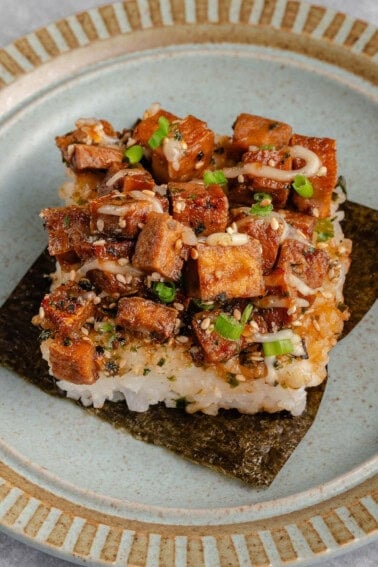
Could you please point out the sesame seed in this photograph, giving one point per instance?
(316, 324)
(205, 324)
(274, 224)
(178, 244)
(129, 279)
(97, 300)
(178, 306)
(107, 354)
(297, 323)
(41, 312)
(240, 378)
(180, 206)
(237, 314)
(210, 329)
(230, 230)
(121, 223)
(315, 212)
(194, 254)
(140, 225)
(234, 227)
(254, 325)
(123, 261)
(100, 242)
(266, 202)
(72, 275)
(84, 331)
(271, 163)
(155, 276)
(100, 225)
(199, 164)
(112, 305)
(292, 310)
(121, 278)
(256, 358)
(327, 294)
(241, 178)
(148, 192)
(322, 171)
(342, 250)
(182, 339)
(218, 274)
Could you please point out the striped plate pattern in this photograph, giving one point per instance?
(72, 531)
(303, 28)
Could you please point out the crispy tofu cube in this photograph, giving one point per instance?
(303, 261)
(123, 178)
(87, 132)
(119, 215)
(66, 309)
(115, 285)
(185, 152)
(66, 226)
(157, 247)
(108, 250)
(145, 317)
(73, 361)
(252, 130)
(300, 221)
(205, 210)
(215, 347)
(325, 148)
(269, 237)
(85, 156)
(225, 271)
(280, 159)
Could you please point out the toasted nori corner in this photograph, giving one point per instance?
(252, 448)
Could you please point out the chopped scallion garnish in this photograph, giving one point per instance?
(166, 291)
(302, 185)
(214, 177)
(324, 230)
(263, 205)
(229, 328)
(162, 132)
(134, 153)
(275, 348)
(205, 305)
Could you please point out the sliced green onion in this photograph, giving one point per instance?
(228, 327)
(303, 186)
(205, 305)
(267, 147)
(134, 153)
(162, 132)
(166, 291)
(246, 314)
(259, 209)
(324, 230)
(106, 327)
(214, 177)
(275, 348)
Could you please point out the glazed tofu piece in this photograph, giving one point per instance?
(305, 262)
(225, 271)
(184, 153)
(124, 179)
(215, 347)
(107, 250)
(66, 309)
(300, 221)
(252, 130)
(115, 285)
(119, 215)
(159, 244)
(205, 210)
(83, 156)
(88, 131)
(325, 148)
(268, 233)
(143, 317)
(73, 361)
(280, 159)
(66, 227)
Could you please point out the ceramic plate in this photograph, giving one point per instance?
(71, 484)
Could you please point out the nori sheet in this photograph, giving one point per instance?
(252, 448)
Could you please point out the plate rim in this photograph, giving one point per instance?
(43, 519)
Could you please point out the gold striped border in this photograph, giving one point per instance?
(35, 514)
(303, 28)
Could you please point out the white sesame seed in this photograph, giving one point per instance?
(180, 206)
(342, 250)
(322, 171)
(327, 294)
(121, 278)
(84, 331)
(205, 323)
(237, 314)
(218, 274)
(297, 323)
(194, 254)
(230, 230)
(149, 192)
(199, 164)
(254, 325)
(100, 242)
(129, 279)
(178, 306)
(315, 212)
(178, 244)
(123, 261)
(292, 310)
(41, 312)
(100, 225)
(234, 227)
(241, 178)
(107, 354)
(182, 339)
(72, 275)
(316, 324)
(97, 300)
(240, 378)
(112, 305)
(121, 223)
(271, 163)
(274, 223)
(256, 358)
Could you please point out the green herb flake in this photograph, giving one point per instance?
(66, 221)
(181, 403)
(67, 341)
(172, 378)
(232, 380)
(214, 178)
(161, 362)
(146, 371)
(106, 327)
